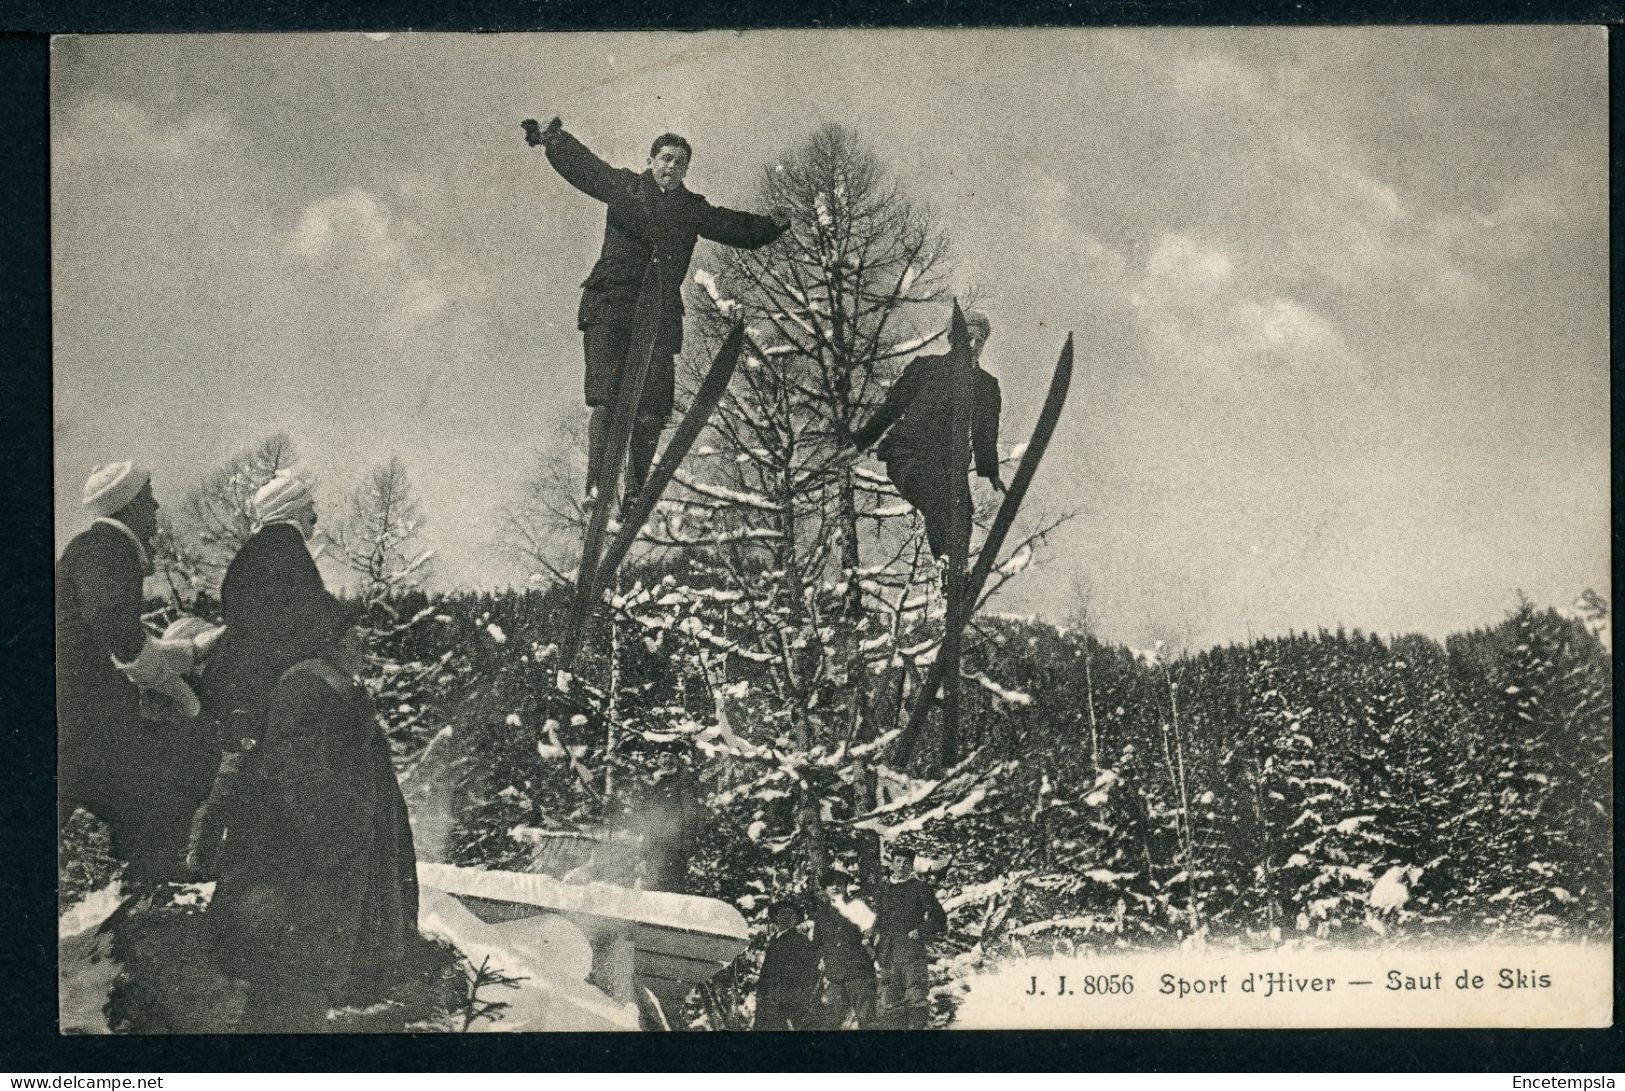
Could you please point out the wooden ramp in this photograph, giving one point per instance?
(680, 940)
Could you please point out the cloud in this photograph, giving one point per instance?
(1332, 215)
(356, 248)
(106, 128)
(354, 223)
(1197, 307)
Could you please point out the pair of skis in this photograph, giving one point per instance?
(963, 591)
(598, 566)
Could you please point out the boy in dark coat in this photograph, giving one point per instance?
(788, 983)
(848, 971)
(317, 901)
(650, 217)
(907, 915)
(141, 777)
(916, 420)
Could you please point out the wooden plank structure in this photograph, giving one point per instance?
(677, 941)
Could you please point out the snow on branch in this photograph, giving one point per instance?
(726, 495)
(1010, 696)
(727, 308)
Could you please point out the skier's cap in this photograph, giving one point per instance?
(282, 497)
(110, 488)
(977, 318)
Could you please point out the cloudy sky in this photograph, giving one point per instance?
(1340, 296)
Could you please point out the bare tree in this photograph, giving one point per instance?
(378, 541)
(219, 512)
(812, 573)
(540, 529)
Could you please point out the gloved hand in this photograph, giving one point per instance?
(536, 135)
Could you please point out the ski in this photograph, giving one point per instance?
(612, 459)
(964, 373)
(1048, 418)
(688, 430)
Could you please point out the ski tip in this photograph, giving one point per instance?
(958, 333)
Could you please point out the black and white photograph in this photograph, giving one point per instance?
(832, 530)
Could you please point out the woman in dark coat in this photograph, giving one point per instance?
(269, 577)
(317, 899)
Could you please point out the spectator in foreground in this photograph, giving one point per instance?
(317, 902)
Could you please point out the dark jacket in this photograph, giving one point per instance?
(141, 777)
(272, 570)
(318, 877)
(789, 978)
(98, 616)
(643, 222)
(264, 586)
(840, 945)
(901, 908)
(917, 416)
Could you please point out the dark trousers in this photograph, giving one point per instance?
(775, 1014)
(930, 487)
(605, 346)
(905, 994)
(845, 1001)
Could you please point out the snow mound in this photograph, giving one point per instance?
(548, 957)
(85, 966)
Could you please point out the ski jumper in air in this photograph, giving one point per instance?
(651, 217)
(916, 420)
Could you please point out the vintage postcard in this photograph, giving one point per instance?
(833, 529)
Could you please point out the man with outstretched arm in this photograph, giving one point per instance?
(916, 420)
(650, 216)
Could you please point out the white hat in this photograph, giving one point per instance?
(110, 488)
(281, 498)
(977, 318)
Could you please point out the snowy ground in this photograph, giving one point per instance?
(543, 963)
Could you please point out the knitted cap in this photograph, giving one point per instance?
(110, 488)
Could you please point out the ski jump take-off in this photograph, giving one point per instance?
(631, 320)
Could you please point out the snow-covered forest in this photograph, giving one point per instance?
(738, 720)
